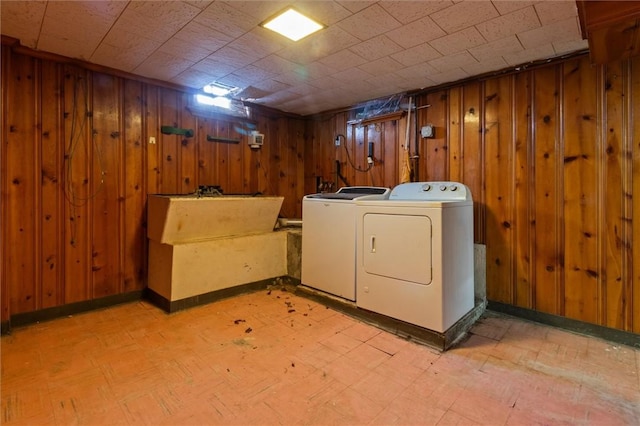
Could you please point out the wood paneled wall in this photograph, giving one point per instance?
(552, 157)
(77, 168)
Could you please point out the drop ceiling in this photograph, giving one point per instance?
(368, 50)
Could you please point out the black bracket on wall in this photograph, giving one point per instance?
(222, 140)
(170, 130)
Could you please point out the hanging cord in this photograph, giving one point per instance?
(76, 135)
(349, 158)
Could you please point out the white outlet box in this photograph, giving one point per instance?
(152, 140)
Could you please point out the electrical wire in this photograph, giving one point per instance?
(76, 135)
(349, 158)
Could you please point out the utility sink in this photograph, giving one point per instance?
(176, 219)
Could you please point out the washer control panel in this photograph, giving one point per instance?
(431, 191)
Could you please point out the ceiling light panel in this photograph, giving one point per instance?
(293, 25)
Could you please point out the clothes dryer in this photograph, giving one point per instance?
(415, 254)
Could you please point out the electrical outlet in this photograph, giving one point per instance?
(152, 140)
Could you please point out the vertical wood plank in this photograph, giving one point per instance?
(19, 213)
(615, 279)
(5, 312)
(390, 149)
(169, 144)
(78, 160)
(187, 153)
(523, 166)
(499, 185)
(206, 152)
(151, 105)
(473, 156)
(52, 213)
(105, 186)
(633, 197)
(455, 133)
(582, 233)
(134, 241)
(434, 150)
(546, 121)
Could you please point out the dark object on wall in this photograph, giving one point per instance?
(170, 130)
(222, 140)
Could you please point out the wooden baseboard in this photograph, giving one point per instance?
(69, 309)
(202, 299)
(580, 327)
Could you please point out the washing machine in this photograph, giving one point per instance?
(329, 239)
(415, 254)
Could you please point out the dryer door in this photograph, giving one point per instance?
(397, 246)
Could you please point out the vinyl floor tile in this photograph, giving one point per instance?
(274, 357)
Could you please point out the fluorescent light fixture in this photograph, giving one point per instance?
(219, 101)
(293, 25)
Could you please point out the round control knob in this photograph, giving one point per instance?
(426, 187)
(443, 188)
(453, 188)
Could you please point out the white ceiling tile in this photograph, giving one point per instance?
(379, 22)
(162, 66)
(155, 20)
(88, 21)
(409, 11)
(491, 64)
(382, 66)
(226, 19)
(232, 57)
(508, 6)
(463, 15)
(562, 47)
(539, 52)
(318, 45)
(200, 4)
(342, 60)
(506, 25)
(352, 74)
(275, 64)
(25, 22)
(554, 11)
(258, 43)
(314, 70)
(194, 78)
(449, 76)
(214, 66)
(462, 40)
(184, 49)
(415, 55)
(258, 9)
(417, 71)
(416, 32)
(505, 46)
(375, 48)
(327, 82)
(125, 51)
(355, 6)
(323, 12)
(203, 37)
(221, 40)
(558, 31)
(64, 46)
(459, 60)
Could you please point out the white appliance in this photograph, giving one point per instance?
(329, 239)
(415, 254)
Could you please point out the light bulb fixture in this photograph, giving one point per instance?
(293, 25)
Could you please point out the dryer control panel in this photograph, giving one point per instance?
(431, 191)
